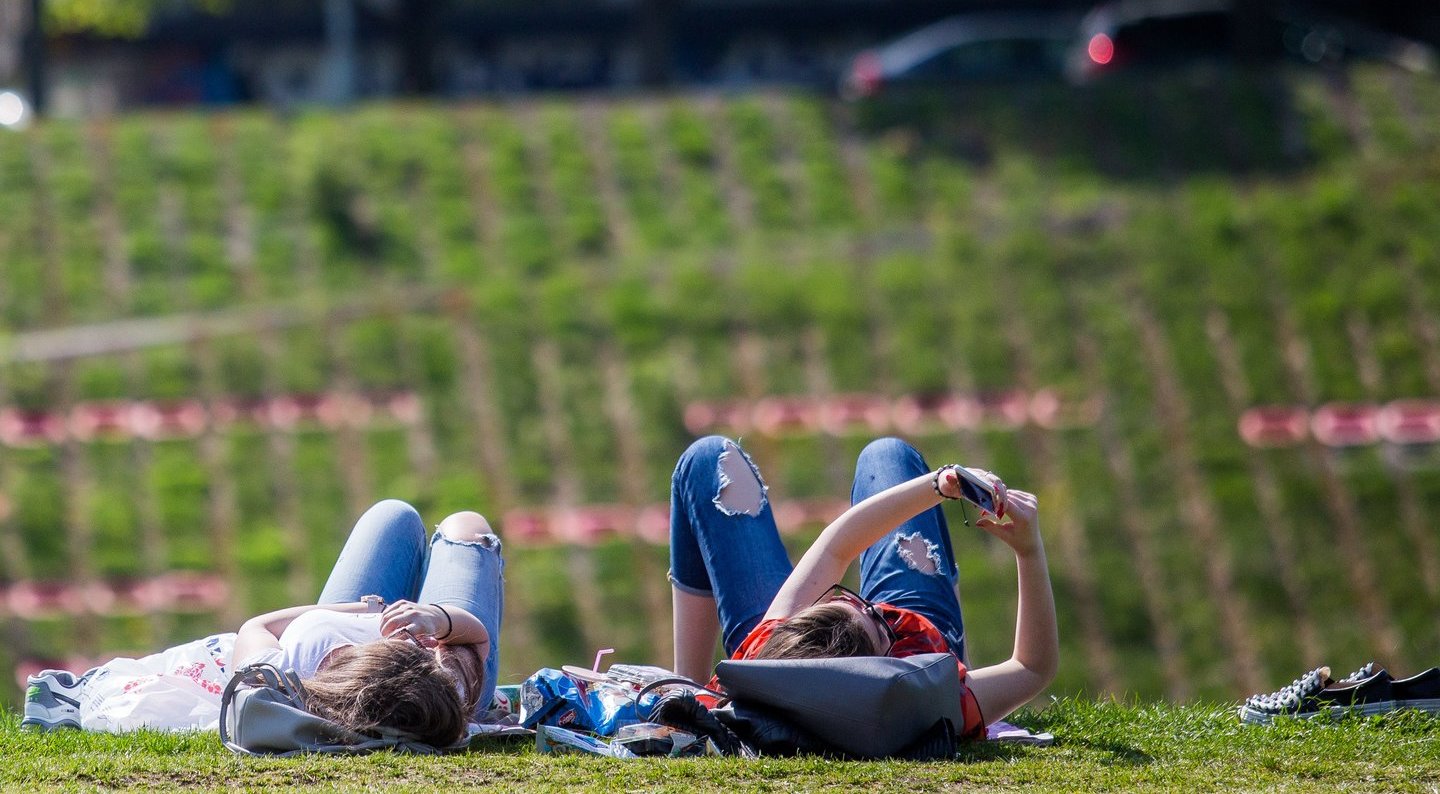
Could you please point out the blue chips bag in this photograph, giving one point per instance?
(554, 697)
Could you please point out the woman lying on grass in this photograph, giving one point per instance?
(402, 638)
(729, 571)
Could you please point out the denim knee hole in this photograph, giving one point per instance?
(486, 541)
(741, 491)
(919, 552)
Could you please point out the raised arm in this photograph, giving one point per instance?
(1004, 687)
(263, 631)
(446, 625)
(827, 559)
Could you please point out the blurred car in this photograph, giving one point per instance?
(962, 49)
(1142, 34)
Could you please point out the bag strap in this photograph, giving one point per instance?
(679, 679)
(227, 700)
(258, 675)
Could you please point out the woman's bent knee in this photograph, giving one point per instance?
(466, 526)
(390, 509)
(391, 519)
(704, 449)
(889, 449)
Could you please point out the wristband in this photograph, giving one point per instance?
(449, 624)
(935, 481)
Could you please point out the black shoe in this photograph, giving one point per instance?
(1420, 691)
(1366, 690)
(1366, 695)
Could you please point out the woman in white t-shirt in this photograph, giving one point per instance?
(404, 636)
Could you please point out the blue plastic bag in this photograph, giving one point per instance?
(554, 697)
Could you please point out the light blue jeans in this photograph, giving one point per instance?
(386, 555)
(724, 542)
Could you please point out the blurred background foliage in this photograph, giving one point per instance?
(558, 278)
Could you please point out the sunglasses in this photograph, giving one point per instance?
(845, 595)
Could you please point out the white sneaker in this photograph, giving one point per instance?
(52, 701)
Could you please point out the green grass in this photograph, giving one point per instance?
(1104, 745)
(918, 244)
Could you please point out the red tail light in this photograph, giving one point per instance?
(1100, 49)
(865, 74)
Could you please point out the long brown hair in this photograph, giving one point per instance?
(388, 684)
(821, 631)
(465, 664)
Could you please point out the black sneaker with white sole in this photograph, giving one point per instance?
(1420, 691)
(1365, 691)
(52, 701)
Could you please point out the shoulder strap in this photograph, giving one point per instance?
(645, 690)
(258, 675)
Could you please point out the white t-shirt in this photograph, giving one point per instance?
(180, 688)
(308, 639)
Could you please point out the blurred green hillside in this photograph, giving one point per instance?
(558, 280)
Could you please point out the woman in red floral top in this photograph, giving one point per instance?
(729, 571)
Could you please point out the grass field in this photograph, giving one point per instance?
(1100, 746)
(557, 281)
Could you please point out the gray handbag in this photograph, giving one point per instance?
(866, 706)
(262, 712)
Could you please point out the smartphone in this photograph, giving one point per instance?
(977, 491)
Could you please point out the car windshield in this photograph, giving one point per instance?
(992, 59)
(925, 45)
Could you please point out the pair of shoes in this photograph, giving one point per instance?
(52, 701)
(1420, 691)
(1368, 691)
(1299, 697)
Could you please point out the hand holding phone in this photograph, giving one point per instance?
(1020, 530)
(979, 488)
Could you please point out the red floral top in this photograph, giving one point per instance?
(914, 634)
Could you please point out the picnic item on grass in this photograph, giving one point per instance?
(862, 706)
(177, 689)
(587, 700)
(551, 739)
(1368, 691)
(1014, 734)
(643, 739)
(850, 707)
(262, 712)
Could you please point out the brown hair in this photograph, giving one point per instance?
(819, 632)
(465, 664)
(388, 684)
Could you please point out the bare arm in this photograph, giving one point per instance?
(263, 631)
(429, 620)
(1004, 687)
(827, 559)
(424, 620)
(696, 627)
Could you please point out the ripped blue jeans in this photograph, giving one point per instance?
(386, 555)
(724, 542)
